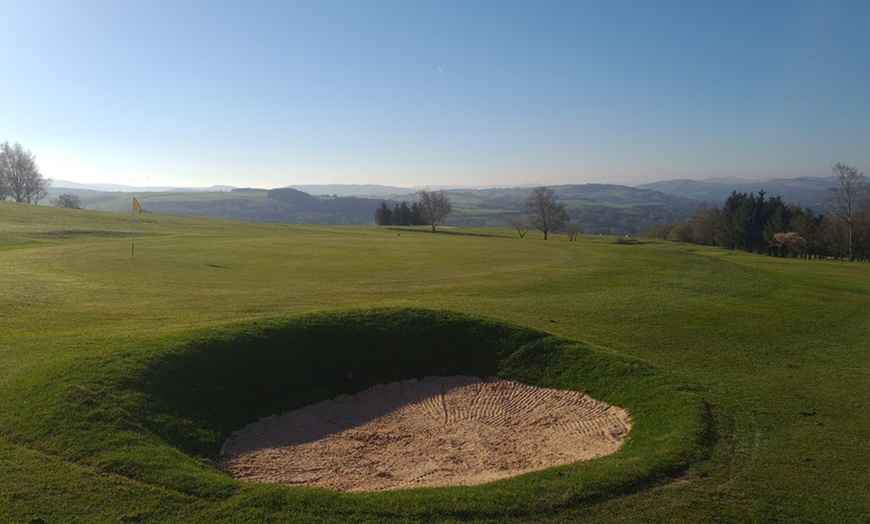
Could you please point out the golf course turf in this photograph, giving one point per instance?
(158, 413)
(120, 376)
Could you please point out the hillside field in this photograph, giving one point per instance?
(777, 350)
(600, 208)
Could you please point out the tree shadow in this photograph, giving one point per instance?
(446, 231)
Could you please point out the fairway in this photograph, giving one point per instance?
(770, 353)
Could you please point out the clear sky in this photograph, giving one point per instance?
(434, 93)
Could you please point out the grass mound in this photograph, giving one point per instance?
(158, 413)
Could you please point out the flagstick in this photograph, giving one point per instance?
(133, 234)
(137, 210)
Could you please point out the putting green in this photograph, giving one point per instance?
(159, 412)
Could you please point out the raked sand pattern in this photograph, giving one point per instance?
(439, 431)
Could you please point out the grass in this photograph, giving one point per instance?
(158, 413)
(777, 349)
(121, 202)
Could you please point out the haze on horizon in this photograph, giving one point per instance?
(273, 93)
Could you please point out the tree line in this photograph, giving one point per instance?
(20, 178)
(540, 211)
(755, 223)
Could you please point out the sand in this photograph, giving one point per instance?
(439, 431)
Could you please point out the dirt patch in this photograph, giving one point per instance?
(439, 431)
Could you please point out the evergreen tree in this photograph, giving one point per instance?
(416, 215)
(383, 215)
(402, 214)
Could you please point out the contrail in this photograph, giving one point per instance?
(440, 72)
(752, 23)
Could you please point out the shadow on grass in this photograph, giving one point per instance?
(444, 231)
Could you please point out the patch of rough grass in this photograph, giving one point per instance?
(157, 413)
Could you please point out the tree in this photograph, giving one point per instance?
(660, 231)
(845, 199)
(19, 175)
(682, 232)
(383, 215)
(862, 230)
(520, 223)
(774, 225)
(737, 217)
(68, 201)
(749, 222)
(4, 189)
(791, 241)
(416, 215)
(833, 237)
(434, 207)
(545, 213)
(808, 225)
(573, 229)
(705, 226)
(402, 214)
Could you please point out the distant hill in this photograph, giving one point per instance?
(374, 190)
(809, 192)
(66, 184)
(600, 208)
(360, 190)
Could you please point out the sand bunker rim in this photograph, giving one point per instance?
(192, 390)
(438, 431)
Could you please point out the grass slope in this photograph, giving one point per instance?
(159, 412)
(776, 347)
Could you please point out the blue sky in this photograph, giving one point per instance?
(441, 93)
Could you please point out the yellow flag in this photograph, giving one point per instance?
(136, 206)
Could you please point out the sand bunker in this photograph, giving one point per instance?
(439, 431)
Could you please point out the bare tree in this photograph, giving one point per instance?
(19, 175)
(545, 213)
(573, 229)
(4, 177)
(521, 224)
(68, 201)
(845, 198)
(434, 207)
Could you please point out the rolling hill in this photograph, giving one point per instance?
(809, 192)
(600, 208)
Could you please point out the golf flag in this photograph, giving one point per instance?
(136, 207)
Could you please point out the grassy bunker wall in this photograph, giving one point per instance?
(159, 412)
